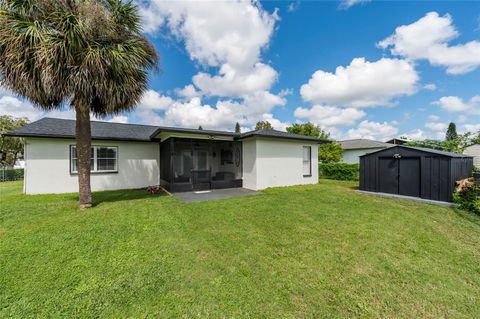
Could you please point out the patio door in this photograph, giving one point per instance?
(201, 173)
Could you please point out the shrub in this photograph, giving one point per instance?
(466, 196)
(11, 174)
(340, 171)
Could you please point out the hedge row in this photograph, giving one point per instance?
(339, 171)
(11, 174)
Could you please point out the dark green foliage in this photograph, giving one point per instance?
(456, 145)
(200, 127)
(237, 128)
(330, 153)
(263, 125)
(308, 129)
(468, 199)
(339, 171)
(476, 138)
(433, 144)
(11, 174)
(451, 134)
(11, 148)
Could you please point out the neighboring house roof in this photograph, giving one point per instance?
(61, 128)
(473, 150)
(362, 144)
(426, 150)
(397, 141)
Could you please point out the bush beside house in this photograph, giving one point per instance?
(339, 171)
(11, 174)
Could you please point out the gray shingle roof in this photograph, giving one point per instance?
(281, 134)
(61, 128)
(51, 127)
(362, 143)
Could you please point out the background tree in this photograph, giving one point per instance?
(200, 127)
(476, 138)
(263, 125)
(88, 54)
(330, 152)
(308, 129)
(451, 134)
(11, 148)
(237, 128)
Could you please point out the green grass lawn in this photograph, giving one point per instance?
(296, 252)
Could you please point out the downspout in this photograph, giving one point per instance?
(25, 156)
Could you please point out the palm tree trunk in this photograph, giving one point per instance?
(84, 143)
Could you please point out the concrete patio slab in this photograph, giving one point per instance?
(214, 194)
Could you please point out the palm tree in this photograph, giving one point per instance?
(88, 54)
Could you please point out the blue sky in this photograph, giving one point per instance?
(359, 69)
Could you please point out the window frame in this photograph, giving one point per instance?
(94, 157)
(309, 160)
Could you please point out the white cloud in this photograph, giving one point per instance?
(345, 4)
(428, 39)
(226, 39)
(188, 92)
(215, 32)
(13, 106)
(119, 119)
(433, 118)
(474, 128)
(154, 101)
(293, 6)
(415, 135)
(437, 126)
(373, 130)
(329, 116)
(362, 83)
(456, 104)
(236, 83)
(222, 115)
(430, 87)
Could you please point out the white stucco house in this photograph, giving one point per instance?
(128, 156)
(353, 149)
(474, 151)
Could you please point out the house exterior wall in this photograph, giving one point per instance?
(47, 166)
(353, 156)
(474, 150)
(269, 162)
(249, 163)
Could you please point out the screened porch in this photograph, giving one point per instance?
(196, 164)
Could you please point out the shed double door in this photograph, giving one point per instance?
(399, 175)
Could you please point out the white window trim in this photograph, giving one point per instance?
(309, 160)
(95, 169)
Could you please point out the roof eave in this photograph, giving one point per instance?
(106, 138)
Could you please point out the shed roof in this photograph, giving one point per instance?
(422, 149)
(62, 128)
(362, 143)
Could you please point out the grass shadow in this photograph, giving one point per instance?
(123, 195)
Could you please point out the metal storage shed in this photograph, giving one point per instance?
(414, 171)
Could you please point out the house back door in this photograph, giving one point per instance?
(409, 172)
(388, 175)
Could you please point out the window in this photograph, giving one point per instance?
(104, 159)
(307, 161)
